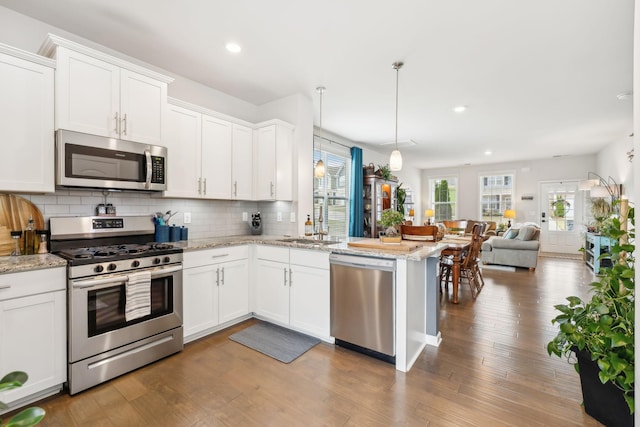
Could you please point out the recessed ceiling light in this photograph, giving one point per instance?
(488, 153)
(460, 108)
(233, 47)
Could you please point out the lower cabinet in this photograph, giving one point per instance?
(33, 335)
(215, 289)
(292, 289)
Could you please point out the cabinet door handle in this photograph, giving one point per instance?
(124, 120)
(116, 129)
(205, 186)
(285, 276)
(272, 189)
(200, 185)
(235, 188)
(290, 278)
(222, 276)
(217, 277)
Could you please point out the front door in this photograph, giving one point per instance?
(561, 213)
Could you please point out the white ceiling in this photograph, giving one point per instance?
(540, 78)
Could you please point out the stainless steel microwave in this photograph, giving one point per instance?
(91, 161)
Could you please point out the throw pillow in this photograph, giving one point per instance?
(510, 233)
(526, 233)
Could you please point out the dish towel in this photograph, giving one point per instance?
(138, 302)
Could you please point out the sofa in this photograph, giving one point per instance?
(517, 247)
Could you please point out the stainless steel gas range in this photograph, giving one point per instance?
(124, 296)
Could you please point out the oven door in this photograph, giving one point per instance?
(97, 311)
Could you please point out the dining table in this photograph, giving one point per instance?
(457, 247)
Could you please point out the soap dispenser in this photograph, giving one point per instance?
(308, 226)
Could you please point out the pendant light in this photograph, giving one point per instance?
(395, 161)
(318, 170)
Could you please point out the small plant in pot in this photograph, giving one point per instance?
(600, 332)
(390, 220)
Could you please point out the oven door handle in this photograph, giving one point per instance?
(82, 284)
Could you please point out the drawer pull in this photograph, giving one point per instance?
(5, 287)
(219, 256)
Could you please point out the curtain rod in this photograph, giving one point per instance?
(335, 142)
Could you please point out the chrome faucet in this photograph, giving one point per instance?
(321, 233)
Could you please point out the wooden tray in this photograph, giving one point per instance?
(14, 215)
(403, 246)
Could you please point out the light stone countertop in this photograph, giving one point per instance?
(428, 250)
(12, 264)
(15, 264)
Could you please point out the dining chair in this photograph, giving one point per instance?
(455, 226)
(469, 266)
(419, 232)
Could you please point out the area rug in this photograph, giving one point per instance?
(275, 341)
(497, 267)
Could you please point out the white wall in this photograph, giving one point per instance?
(528, 175)
(613, 162)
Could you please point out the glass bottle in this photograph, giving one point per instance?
(29, 238)
(308, 227)
(15, 236)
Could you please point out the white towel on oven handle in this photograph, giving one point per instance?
(138, 294)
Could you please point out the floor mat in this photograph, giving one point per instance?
(275, 341)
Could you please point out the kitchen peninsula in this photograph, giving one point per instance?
(416, 298)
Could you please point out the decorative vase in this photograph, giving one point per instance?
(604, 402)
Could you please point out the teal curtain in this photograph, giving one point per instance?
(356, 202)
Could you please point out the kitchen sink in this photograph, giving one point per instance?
(309, 242)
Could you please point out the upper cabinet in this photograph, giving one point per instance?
(26, 108)
(274, 161)
(210, 157)
(103, 95)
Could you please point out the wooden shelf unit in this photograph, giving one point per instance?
(378, 194)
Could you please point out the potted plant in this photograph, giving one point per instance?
(401, 196)
(600, 332)
(390, 220)
(28, 417)
(384, 172)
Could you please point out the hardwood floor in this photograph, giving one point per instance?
(492, 369)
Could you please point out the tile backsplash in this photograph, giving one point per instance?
(209, 218)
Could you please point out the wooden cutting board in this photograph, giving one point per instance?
(14, 215)
(403, 246)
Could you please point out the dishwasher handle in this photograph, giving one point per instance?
(371, 263)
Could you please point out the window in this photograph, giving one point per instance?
(444, 197)
(496, 196)
(331, 193)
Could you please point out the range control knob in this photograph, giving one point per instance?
(167, 259)
(156, 260)
(112, 267)
(98, 269)
(135, 263)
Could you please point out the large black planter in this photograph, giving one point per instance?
(604, 402)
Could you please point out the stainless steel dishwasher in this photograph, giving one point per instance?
(363, 304)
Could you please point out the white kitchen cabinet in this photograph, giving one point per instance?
(33, 334)
(26, 108)
(217, 137)
(210, 157)
(184, 136)
(310, 292)
(274, 161)
(102, 95)
(242, 161)
(292, 289)
(215, 289)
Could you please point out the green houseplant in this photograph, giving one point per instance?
(390, 220)
(401, 196)
(384, 172)
(28, 417)
(602, 328)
